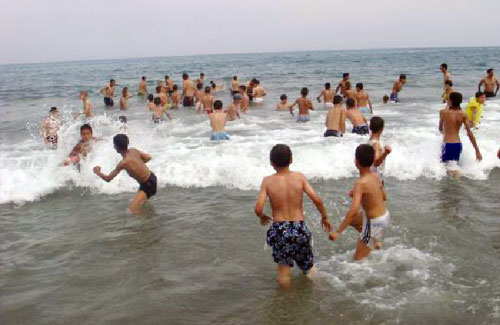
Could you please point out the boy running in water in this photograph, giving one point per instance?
(327, 95)
(305, 104)
(356, 117)
(134, 163)
(451, 120)
(368, 213)
(377, 127)
(335, 119)
(288, 235)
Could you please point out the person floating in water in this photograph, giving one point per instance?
(327, 95)
(363, 99)
(218, 121)
(50, 128)
(489, 84)
(288, 235)
(134, 163)
(474, 109)
(83, 146)
(376, 128)
(397, 87)
(356, 117)
(143, 89)
(335, 119)
(368, 212)
(451, 120)
(305, 104)
(109, 92)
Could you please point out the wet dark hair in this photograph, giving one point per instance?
(376, 124)
(365, 155)
(143, 77)
(53, 109)
(157, 101)
(175, 87)
(489, 70)
(283, 97)
(402, 76)
(385, 98)
(207, 89)
(158, 89)
(281, 155)
(337, 99)
(202, 74)
(86, 127)
(166, 77)
(122, 119)
(304, 91)
(345, 74)
(217, 104)
(327, 85)
(456, 99)
(121, 142)
(151, 97)
(185, 76)
(199, 85)
(235, 77)
(243, 87)
(479, 94)
(359, 85)
(444, 65)
(449, 83)
(111, 80)
(350, 103)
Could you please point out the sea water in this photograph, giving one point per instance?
(70, 253)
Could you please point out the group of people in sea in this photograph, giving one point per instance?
(288, 235)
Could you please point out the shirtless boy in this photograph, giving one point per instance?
(397, 87)
(363, 99)
(335, 119)
(327, 95)
(376, 128)
(258, 92)
(288, 235)
(356, 117)
(88, 110)
(207, 100)
(174, 96)
(124, 98)
(134, 163)
(151, 102)
(143, 90)
(489, 84)
(341, 85)
(51, 126)
(245, 100)
(160, 94)
(448, 89)
(446, 74)
(451, 120)
(218, 121)
(158, 111)
(109, 92)
(283, 104)
(305, 104)
(368, 213)
(169, 84)
(235, 84)
(187, 91)
(233, 109)
(83, 146)
(348, 92)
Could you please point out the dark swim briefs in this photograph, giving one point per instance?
(187, 101)
(108, 101)
(489, 94)
(361, 129)
(291, 241)
(332, 133)
(149, 186)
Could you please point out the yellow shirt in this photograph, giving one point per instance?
(479, 111)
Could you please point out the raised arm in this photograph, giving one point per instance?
(259, 205)
(319, 205)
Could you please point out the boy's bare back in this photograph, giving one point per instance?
(356, 117)
(285, 191)
(373, 195)
(452, 120)
(305, 104)
(134, 164)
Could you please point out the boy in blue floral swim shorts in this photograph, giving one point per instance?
(288, 235)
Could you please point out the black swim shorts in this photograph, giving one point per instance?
(149, 186)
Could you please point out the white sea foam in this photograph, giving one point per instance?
(183, 155)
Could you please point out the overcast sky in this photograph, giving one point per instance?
(60, 30)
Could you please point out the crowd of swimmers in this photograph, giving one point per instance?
(288, 235)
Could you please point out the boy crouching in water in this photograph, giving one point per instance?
(288, 235)
(368, 212)
(134, 163)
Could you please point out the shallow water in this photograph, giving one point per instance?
(71, 254)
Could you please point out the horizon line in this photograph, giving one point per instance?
(243, 53)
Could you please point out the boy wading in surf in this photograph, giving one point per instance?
(368, 213)
(288, 235)
(134, 163)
